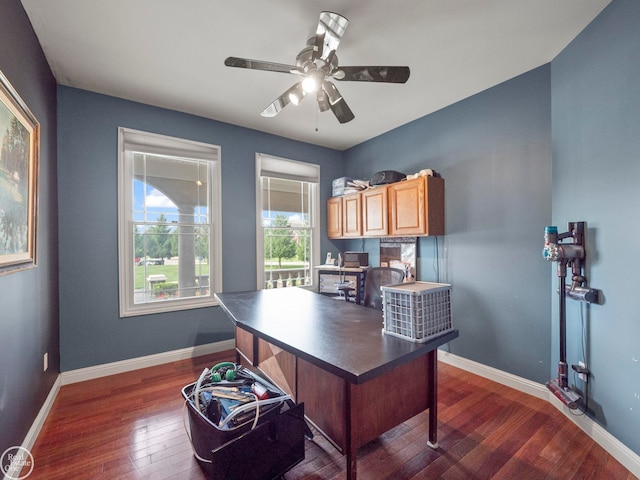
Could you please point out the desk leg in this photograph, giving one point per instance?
(351, 447)
(432, 398)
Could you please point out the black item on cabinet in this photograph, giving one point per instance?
(385, 177)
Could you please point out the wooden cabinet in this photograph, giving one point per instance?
(334, 217)
(375, 212)
(352, 215)
(417, 207)
(408, 208)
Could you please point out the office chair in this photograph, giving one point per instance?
(376, 278)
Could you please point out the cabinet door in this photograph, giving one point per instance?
(407, 207)
(334, 217)
(417, 207)
(375, 212)
(352, 215)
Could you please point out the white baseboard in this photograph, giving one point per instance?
(36, 426)
(627, 457)
(522, 384)
(602, 437)
(32, 435)
(89, 373)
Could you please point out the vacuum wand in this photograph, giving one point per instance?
(565, 254)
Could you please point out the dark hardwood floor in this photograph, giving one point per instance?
(130, 426)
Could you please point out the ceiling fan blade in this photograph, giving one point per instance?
(259, 65)
(342, 111)
(283, 100)
(337, 104)
(331, 28)
(372, 74)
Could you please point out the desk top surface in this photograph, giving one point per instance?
(340, 337)
(339, 270)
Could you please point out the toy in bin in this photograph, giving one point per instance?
(241, 426)
(230, 396)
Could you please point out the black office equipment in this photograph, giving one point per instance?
(355, 259)
(386, 176)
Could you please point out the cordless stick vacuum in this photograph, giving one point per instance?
(567, 254)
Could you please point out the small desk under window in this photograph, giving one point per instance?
(330, 278)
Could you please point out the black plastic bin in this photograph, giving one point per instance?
(265, 452)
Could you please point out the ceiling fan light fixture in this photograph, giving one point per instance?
(332, 92)
(316, 64)
(323, 100)
(310, 84)
(296, 94)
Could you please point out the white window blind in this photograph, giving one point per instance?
(276, 167)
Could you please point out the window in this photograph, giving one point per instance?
(168, 223)
(288, 237)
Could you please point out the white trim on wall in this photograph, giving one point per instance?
(89, 373)
(615, 447)
(36, 426)
(627, 457)
(98, 371)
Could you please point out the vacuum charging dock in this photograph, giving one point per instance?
(569, 254)
(566, 395)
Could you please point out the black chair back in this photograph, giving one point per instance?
(376, 278)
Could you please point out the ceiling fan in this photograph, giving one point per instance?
(317, 64)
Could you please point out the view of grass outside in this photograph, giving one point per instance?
(169, 271)
(287, 251)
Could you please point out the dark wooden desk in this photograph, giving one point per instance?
(356, 382)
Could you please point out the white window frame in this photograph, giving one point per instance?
(277, 167)
(130, 140)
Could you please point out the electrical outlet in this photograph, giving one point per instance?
(45, 365)
(583, 376)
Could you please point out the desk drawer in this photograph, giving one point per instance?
(278, 365)
(244, 344)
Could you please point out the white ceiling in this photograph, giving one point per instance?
(170, 53)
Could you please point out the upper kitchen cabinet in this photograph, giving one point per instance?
(408, 208)
(352, 215)
(375, 212)
(417, 207)
(334, 217)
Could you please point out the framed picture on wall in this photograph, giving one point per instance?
(19, 164)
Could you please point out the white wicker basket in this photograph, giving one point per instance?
(417, 311)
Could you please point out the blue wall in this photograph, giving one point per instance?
(596, 174)
(494, 152)
(29, 299)
(91, 333)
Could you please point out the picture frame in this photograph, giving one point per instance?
(19, 170)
